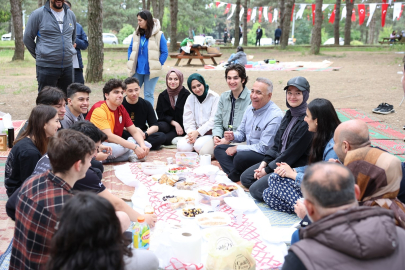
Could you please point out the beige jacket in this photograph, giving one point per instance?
(155, 68)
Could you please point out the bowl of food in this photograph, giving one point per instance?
(177, 170)
(186, 159)
(151, 168)
(218, 192)
(191, 212)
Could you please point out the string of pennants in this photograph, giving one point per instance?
(268, 16)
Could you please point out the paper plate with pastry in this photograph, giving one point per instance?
(155, 177)
(216, 219)
(151, 168)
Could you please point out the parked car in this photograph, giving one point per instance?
(109, 38)
(6, 37)
(127, 40)
(266, 41)
(331, 41)
(291, 41)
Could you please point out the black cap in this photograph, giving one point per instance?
(300, 82)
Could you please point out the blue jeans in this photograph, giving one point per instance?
(149, 87)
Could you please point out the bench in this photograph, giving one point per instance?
(195, 54)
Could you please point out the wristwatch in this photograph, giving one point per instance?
(146, 135)
(136, 146)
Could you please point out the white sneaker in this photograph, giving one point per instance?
(134, 158)
(176, 139)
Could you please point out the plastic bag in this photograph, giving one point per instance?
(228, 251)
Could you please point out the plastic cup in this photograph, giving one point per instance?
(169, 160)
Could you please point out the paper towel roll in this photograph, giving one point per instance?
(205, 160)
(186, 246)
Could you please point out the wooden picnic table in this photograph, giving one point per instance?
(388, 40)
(195, 53)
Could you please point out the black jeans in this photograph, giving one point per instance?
(257, 40)
(256, 186)
(79, 76)
(169, 131)
(235, 165)
(155, 139)
(60, 77)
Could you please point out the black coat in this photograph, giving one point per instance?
(259, 34)
(298, 145)
(165, 111)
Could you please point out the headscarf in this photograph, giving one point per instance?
(198, 77)
(174, 92)
(378, 178)
(296, 113)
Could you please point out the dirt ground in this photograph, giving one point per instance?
(364, 80)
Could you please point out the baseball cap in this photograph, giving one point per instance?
(300, 82)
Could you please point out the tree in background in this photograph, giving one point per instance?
(348, 21)
(317, 30)
(174, 4)
(286, 23)
(16, 13)
(336, 22)
(125, 31)
(158, 7)
(41, 3)
(236, 35)
(251, 36)
(94, 71)
(244, 21)
(281, 10)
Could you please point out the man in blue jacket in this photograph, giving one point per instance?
(81, 44)
(50, 36)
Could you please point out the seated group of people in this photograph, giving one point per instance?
(61, 150)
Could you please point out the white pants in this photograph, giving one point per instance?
(184, 146)
(119, 152)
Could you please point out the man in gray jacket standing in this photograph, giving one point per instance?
(54, 28)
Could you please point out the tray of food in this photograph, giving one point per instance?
(191, 212)
(218, 192)
(169, 180)
(215, 219)
(151, 168)
(181, 202)
(186, 158)
(177, 170)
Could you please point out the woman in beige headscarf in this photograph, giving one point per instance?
(170, 106)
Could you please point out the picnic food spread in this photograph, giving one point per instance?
(192, 212)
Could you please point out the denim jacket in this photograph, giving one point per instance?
(328, 153)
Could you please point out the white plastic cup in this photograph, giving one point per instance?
(215, 204)
(169, 160)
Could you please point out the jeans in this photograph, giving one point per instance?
(235, 165)
(79, 76)
(169, 131)
(149, 87)
(59, 77)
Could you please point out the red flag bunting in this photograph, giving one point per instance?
(228, 7)
(292, 12)
(384, 1)
(260, 13)
(383, 13)
(217, 3)
(313, 14)
(353, 15)
(249, 13)
(332, 16)
(270, 17)
(362, 13)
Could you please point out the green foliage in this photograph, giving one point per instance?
(356, 43)
(5, 16)
(324, 36)
(355, 34)
(386, 32)
(251, 36)
(125, 32)
(303, 29)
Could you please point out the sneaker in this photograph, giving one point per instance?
(134, 158)
(387, 109)
(377, 110)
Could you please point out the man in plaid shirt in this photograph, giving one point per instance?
(42, 197)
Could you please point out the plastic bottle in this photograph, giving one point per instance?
(141, 234)
(1, 126)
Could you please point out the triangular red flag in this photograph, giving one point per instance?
(249, 13)
(332, 16)
(260, 13)
(270, 17)
(292, 12)
(228, 7)
(313, 14)
(353, 15)
(362, 13)
(383, 13)
(217, 3)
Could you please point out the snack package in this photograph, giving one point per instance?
(228, 251)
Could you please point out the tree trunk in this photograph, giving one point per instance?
(143, 4)
(94, 71)
(281, 13)
(236, 36)
(16, 14)
(336, 23)
(41, 3)
(371, 30)
(245, 6)
(158, 9)
(348, 22)
(286, 24)
(173, 24)
(148, 4)
(316, 31)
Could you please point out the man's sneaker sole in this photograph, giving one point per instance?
(392, 111)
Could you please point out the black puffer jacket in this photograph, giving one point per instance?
(298, 145)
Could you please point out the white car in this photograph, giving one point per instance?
(331, 41)
(266, 41)
(109, 38)
(6, 37)
(291, 41)
(127, 40)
